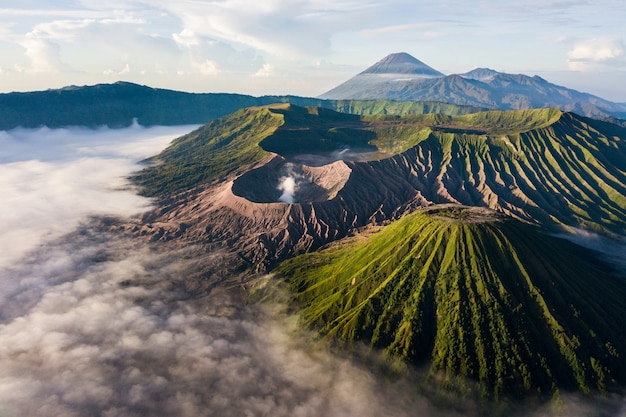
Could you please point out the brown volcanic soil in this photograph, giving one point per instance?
(244, 214)
(332, 201)
(314, 184)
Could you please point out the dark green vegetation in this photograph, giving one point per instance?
(483, 87)
(116, 105)
(475, 296)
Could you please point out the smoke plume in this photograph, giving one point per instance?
(288, 184)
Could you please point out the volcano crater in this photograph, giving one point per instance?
(290, 182)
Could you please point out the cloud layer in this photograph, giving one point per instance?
(593, 54)
(300, 47)
(95, 328)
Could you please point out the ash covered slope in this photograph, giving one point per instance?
(381, 79)
(402, 65)
(476, 295)
(480, 87)
(221, 182)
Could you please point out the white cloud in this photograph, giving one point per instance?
(424, 30)
(44, 55)
(78, 13)
(592, 53)
(265, 71)
(206, 67)
(301, 27)
(187, 38)
(116, 73)
(88, 44)
(206, 56)
(115, 337)
(125, 70)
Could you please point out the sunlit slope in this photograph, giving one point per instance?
(571, 170)
(542, 165)
(230, 145)
(489, 299)
(212, 152)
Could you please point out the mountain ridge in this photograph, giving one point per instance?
(492, 89)
(540, 166)
(123, 103)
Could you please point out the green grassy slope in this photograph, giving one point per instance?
(212, 152)
(497, 302)
(571, 170)
(578, 162)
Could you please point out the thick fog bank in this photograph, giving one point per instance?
(95, 327)
(51, 179)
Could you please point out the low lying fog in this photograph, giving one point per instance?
(345, 154)
(51, 179)
(609, 249)
(91, 325)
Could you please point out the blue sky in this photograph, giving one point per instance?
(305, 47)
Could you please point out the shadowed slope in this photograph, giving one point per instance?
(223, 181)
(476, 295)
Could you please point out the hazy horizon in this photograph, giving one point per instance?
(305, 47)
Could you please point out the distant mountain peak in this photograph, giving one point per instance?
(480, 74)
(402, 77)
(402, 63)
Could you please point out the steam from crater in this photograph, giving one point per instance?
(288, 185)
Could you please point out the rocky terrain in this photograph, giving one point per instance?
(545, 167)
